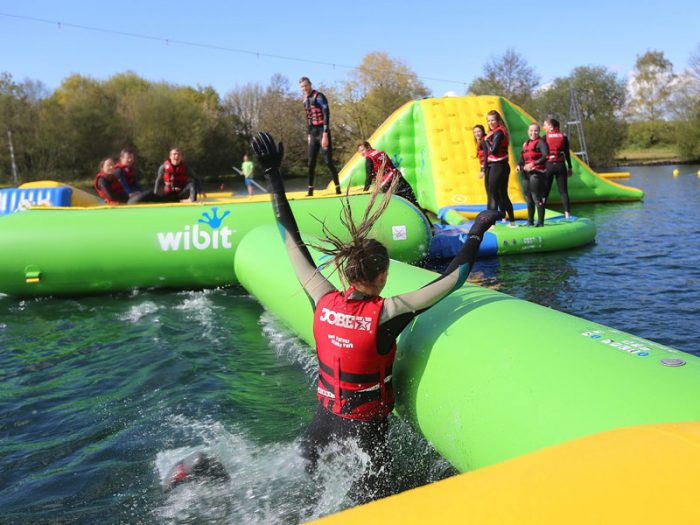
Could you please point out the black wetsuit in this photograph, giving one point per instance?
(112, 196)
(315, 132)
(497, 174)
(558, 170)
(490, 201)
(402, 188)
(396, 313)
(535, 186)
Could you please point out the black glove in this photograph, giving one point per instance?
(269, 155)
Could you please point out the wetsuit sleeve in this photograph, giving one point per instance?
(408, 305)
(521, 160)
(310, 277)
(159, 177)
(567, 152)
(322, 103)
(369, 174)
(544, 150)
(497, 138)
(484, 146)
(102, 184)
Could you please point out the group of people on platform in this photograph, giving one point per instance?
(542, 160)
(118, 182)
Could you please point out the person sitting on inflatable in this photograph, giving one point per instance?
(108, 186)
(179, 183)
(378, 167)
(356, 329)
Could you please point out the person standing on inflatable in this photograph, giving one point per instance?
(532, 166)
(179, 183)
(558, 144)
(356, 329)
(377, 161)
(247, 170)
(481, 153)
(497, 168)
(318, 118)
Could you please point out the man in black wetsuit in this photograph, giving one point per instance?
(318, 118)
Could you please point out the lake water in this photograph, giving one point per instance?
(100, 394)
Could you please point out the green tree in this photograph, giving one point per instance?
(650, 93)
(601, 99)
(508, 76)
(378, 87)
(686, 109)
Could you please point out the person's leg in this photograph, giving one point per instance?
(314, 147)
(376, 481)
(328, 161)
(492, 181)
(563, 185)
(502, 189)
(249, 186)
(189, 192)
(527, 191)
(539, 188)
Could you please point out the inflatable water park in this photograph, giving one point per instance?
(553, 412)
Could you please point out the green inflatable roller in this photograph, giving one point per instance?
(74, 251)
(487, 377)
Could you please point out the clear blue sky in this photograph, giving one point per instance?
(447, 40)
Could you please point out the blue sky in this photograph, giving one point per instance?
(448, 40)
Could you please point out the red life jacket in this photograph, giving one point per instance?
(532, 154)
(502, 152)
(114, 187)
(314, 115)
(130, 173)
(377, 157)
(481, 152)
(175, 177)
(354, 380)
(555, 142)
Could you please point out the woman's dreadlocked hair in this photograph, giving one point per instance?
(360, 259)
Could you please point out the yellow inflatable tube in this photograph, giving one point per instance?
(635, 475)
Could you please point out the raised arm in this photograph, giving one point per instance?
(270, 156)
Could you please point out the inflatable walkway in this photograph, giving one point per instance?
(629, 476)
(75, 251)
(487, 377)
(431, 141)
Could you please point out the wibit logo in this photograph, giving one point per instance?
(199, 239)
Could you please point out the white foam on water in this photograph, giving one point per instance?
(138, 311)
(200, 309)
(288, 346)
(268, 483)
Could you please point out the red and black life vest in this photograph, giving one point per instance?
(354, 380)
(115, 188)
(532, 154)
(501, 152)
(129, 172)
(314, 115)
(175, 177)
(556, 143)
(377, 157)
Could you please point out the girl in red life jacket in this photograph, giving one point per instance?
(498, 167)
(559, 154)
(377, 161)
(532, 167)
(356, 329)
(481, 153)
(107, 185)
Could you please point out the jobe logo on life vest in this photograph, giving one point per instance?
(354, 322)
(192, 237)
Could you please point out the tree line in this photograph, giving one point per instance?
(64, 133)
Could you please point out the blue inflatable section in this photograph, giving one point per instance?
(12, 198)
(448, 240)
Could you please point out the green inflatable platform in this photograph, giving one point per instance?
(75, 251)
(486, 377)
